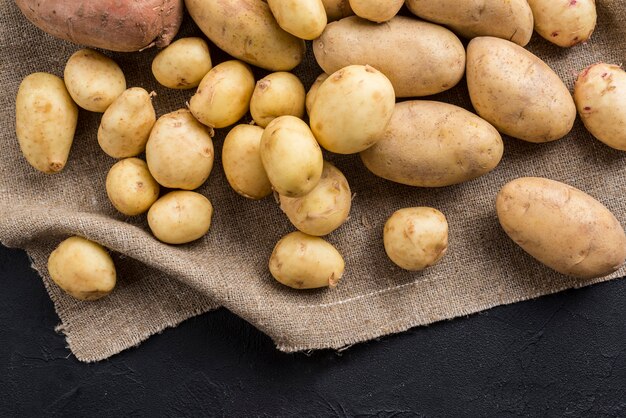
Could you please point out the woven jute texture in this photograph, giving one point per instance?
(160, 285)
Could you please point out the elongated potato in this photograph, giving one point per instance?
(126, 124)
(277, 94)
(435, 63)
(183, 64)
(301, 261)
(291, 157)
(352, 109)
(180, 217)
(312, 93)
(600, 96)
(305, 19)
(376, 10)
(564, 22)
(511, 19)
(130, 187)
(45, 121)
(337, 9)
(247, 30)
(517, 92)
(433, 144)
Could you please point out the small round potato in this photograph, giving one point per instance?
(278, 94)
(564, 22)
(241, 158)
(223, 96)
(183, 64)
(291, 157)
(376, 10)
(337, 9)
(82, 268)
(301, 261)
(416, 238)
(305, 19)
(352, 109)
(179, 151)
(180, 217)
(600, 96)
(323, 209)
(312, 93)
(126, 124)
(130, 187)
(93, 80)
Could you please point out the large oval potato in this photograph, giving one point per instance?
(512, 19)
(376, 10)
(130, 187)
(433, 144)
(564, 22)
(419, 58)
(305, 19)
(180, 217)
(337, 9)
(351, 109)
(247, 30)
(562, 227)
(301, 261)
(600, 96)
(45, 121)
(277, 94)
(517, 92)
(183, 64)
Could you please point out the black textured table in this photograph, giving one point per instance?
(561, 355)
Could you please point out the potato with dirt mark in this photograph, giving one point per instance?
(305, 19)
(180, 217)
(183, 64)
(277, 94)
(376, 10)
(312, 93)
(564, 22)
(130, 187)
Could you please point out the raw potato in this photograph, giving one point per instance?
(126, 124)
(337, 9)
(517, 92)
(416, 238)
(564, 22)
(419, 58)
(312, 93)
(305, 19)
(600, 95)
(223, 96)
(291, 157)
(511, 19)
(179, 151)
(323, 209)
(183, 64)
(180, 217)
(114, 25)
(247, 30)
(82, 269)
(130, 187)
(241, 158)
(45, 121)
(352, 109)
(376, 10)
(93, 80)
(301, 261)
(434, 144)
(278, 94)
(562, 227)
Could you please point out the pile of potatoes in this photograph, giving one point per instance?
(363, 47)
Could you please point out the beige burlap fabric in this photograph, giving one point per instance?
(159, 285)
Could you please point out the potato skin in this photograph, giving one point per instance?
(312, 93)
(45, 121)
(337, 9)
(305, 19)
(253, 36)
(130, 187)
(301, 261)
(564, 22)
(517, 92)
(82, 268)
(600, 96)
(436, 61)
(376, 10)
(180, 217)
(183, 64)
(562, 227)
(277, 94)
(512, 20)
(434, 144)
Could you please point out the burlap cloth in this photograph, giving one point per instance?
(159, 285)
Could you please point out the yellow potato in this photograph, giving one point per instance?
(337, 9)
(130, 187)
(93, 80)
(126, 124)
(183, 64)
(419, 58)
(301, 261)
(179, 151)
(82, 269)
(434, 144)
(45, 121)
(416, 238)
(600, 96)
(312, 93)
(517, 92)
(180, 217)
(277, 94)
(376, 10)
(291, 157)
(305, 19)
(352, 109)
(323, 209)
(223, 96)
(564, 22)
(241, 158)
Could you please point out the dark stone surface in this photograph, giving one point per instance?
(561, 355)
